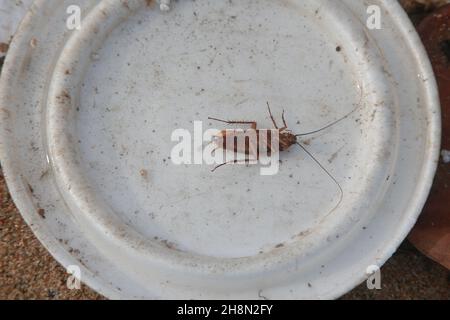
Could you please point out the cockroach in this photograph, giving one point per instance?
(286, 139)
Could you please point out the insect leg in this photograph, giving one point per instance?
(252, 123)
(271, 116)
(284, 120)
(246, 161)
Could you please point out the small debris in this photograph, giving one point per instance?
(144, 174)
(33, 42)
(41, 212)
(164, 5)
(307, 142)
(51, 293)
(95, 56)
(445, 156)
(260, 295)
(64, 97)
(4, 47)
(44, 174)
(168, 244)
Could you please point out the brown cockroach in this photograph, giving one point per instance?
(285, 140)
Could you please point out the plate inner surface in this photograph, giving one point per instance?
(155, 73)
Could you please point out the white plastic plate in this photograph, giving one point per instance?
(87, 118)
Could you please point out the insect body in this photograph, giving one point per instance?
(283, 140)
(278, 139)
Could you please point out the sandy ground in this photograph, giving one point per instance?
(27, 270)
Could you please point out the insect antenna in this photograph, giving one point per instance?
(328, 173)
(327, 126)
(334, 122)
(220, 120)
